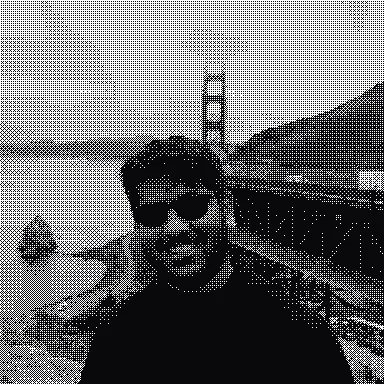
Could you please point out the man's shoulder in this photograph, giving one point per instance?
(256, 266)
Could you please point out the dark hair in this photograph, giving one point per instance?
(178, 158)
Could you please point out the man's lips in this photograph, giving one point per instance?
(181, 251)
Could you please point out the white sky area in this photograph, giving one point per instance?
(80, 70)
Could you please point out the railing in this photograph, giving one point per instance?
(353, 197)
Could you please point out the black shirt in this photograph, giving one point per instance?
(239, 333)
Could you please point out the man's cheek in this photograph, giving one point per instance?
(212, 219)
(148, 235)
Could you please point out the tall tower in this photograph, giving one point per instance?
(214, 106)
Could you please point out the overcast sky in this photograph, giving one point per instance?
(78, 70)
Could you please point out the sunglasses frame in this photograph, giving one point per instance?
(172, 205)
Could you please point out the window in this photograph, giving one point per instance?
(371, 180)
(214, 112)
(214, 88)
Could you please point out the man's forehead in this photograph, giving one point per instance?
(153, 190)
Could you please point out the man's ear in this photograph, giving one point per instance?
(229, 212)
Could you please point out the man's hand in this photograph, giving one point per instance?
(22, 364)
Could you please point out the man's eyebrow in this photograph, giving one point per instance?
(209, 193)
(192, 192)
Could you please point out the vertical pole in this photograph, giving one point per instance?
(204, 108)
(223, 111)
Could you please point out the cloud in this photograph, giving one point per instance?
(210, 43)
(68, 78)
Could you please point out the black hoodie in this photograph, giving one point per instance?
(237, 333)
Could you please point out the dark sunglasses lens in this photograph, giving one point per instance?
(151, 215)
(188, 207)
(192, 207)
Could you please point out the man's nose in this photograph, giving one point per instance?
(175, 223)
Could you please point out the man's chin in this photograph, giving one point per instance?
(188, 266)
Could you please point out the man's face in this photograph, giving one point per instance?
(180, 226)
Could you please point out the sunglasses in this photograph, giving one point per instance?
(190, 207)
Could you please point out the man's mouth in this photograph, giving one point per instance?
(181, 251)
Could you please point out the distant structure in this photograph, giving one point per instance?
(214, 108)
(371, 180)
(37, 241)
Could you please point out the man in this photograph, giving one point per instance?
(211, 313)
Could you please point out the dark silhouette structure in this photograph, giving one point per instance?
(214, 108)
